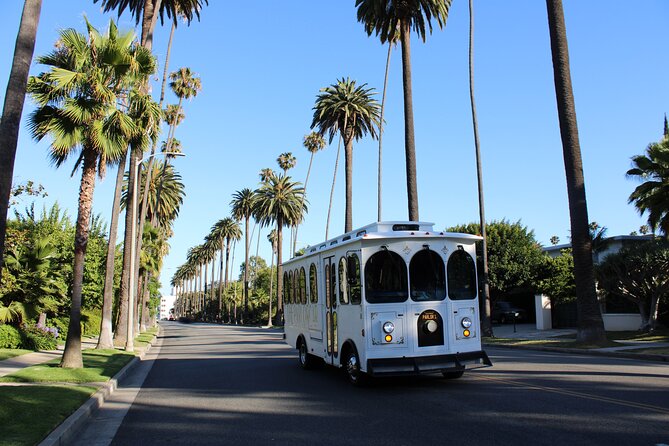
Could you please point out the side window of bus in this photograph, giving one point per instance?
(296, 291)
(328, 285)
(427, 276)
(386, 278)
(343, 281)
(303, 286)
(461, 272)
(313, 284)
(353, 270)
(333, 284)
(286, 288)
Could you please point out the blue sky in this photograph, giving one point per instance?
(262, 64)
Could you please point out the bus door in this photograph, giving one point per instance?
(330, 276)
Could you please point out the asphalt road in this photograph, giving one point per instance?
(209, 384)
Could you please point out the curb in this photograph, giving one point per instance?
(64, 433)
(577, 351)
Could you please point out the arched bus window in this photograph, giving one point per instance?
(427, 276)
(343, 281)
(291, 288)
(385, 278)
(296, 291)
(303, 286)
(328, 285)
(461, 276)
(286, 288)
(333, 282)
(354, 288)
(313, 284)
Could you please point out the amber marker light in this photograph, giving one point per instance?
(389, 338)
(466, 333)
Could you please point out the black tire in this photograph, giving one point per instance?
(306, 360)
(352, 369)
(453, 375)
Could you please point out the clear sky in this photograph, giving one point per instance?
(263, 62)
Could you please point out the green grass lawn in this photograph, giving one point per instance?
(143, 339)
(661, 335)
(6, 353)
(29, 413)
(99, 366)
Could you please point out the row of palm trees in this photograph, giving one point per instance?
(93, 104)
(278, 202)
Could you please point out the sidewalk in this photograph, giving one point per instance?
(529, 332)
(17, 363)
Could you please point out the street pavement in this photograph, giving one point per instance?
(217, 385)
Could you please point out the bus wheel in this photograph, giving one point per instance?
(352, 365)
(453, 375)
(306, 360)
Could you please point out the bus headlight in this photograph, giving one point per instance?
(466, 322)
(388, 327)
(431, 326)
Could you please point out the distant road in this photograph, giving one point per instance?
(212, 385)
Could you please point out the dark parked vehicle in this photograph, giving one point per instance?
(504, 312)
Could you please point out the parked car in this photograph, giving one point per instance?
(504, 312)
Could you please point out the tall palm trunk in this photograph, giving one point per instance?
(227, 267)
(13, 107)
(409, 140)
(383, 106)
(297, 226)
(105, 341)
(220, 284)
(126, 303)
(590, 324)
(72, 354)
(486, 325)
(247, 246)
(149, 20)
(279, 278)
(348, 167)
(271, 280)
(211, 288)
(334, 179)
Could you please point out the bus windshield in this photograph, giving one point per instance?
(386, 278)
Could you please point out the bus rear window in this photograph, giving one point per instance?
(461, 276)
(386, 278)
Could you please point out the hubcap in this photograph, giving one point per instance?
(303, 354)
(352, 367)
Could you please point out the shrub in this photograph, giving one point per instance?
(10, 337)
(90, 323)
(36, 337)
(61, 324)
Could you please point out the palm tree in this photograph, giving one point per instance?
(286, 161)
(279, 201)
(313, 142)
(146, 10)
(266, 174)
(271, 237)
(383, 106)
(349, 110)
(13, 106)
(386, 18)
(242, 209)
(76, 107)
(652, 195)
(590, 324)
(486, 323)
(146, 115)
(224, 231)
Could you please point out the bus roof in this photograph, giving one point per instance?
(385, 230)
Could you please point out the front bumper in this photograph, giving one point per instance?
(427, 364)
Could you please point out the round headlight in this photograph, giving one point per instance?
(388, 327)
(466, 322)
(431, 326)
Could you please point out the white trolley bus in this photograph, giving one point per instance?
(391, 298)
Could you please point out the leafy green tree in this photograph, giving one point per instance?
(76, 108)
(639, 274)
(387, 19)
(514, 256)
(13, 106)
(556, 277)
(590, 323)
(225, 231)
(286, 161)
(279, 201)
(350, 110)
(652, 195)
